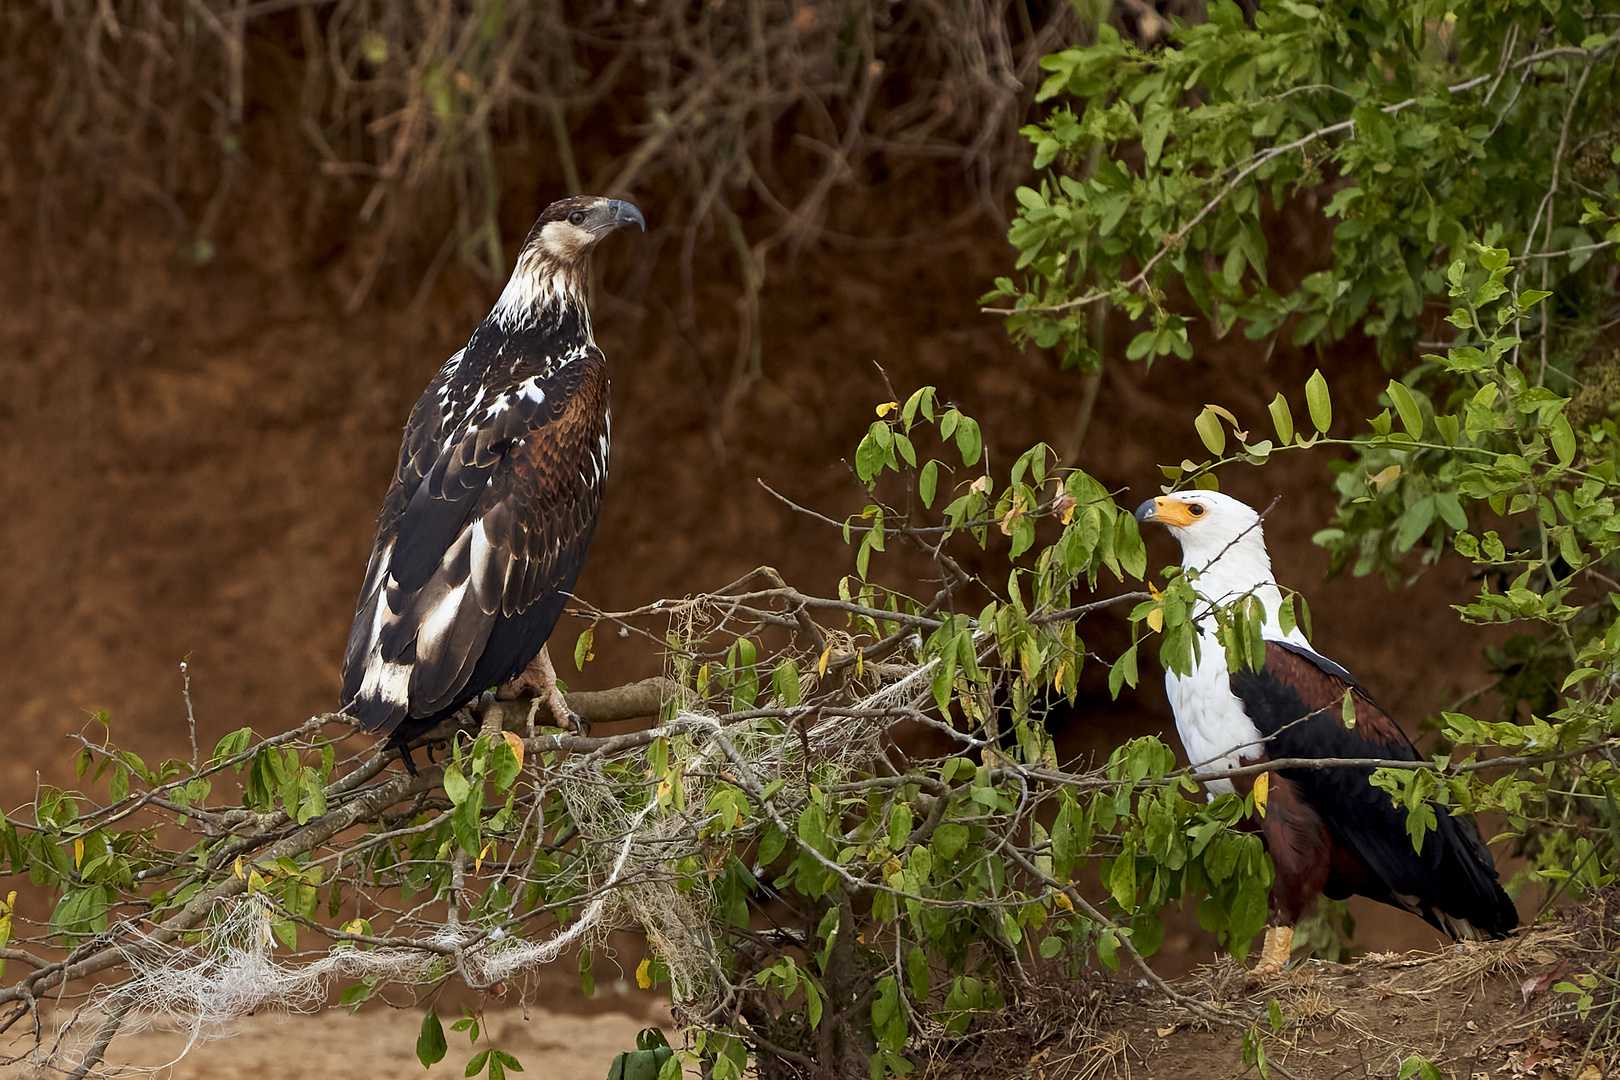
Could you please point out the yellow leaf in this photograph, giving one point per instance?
(1229, 418)
(478, 863)
(821, 665)
(1060, 899)
(516, 744)
(1383, 478)
(1063, 672)
(886, 408)
(1262, 785)
(78, 852)
(1155, 620)
(891, 867)
(644, 974)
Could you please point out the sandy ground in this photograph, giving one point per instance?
(380, 1044)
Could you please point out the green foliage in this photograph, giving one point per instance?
(647, 1061)
(1420, 1067)
(1464, 152)
(1420, 128)
(430, 1044)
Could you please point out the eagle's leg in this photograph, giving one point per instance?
(1278, 947)
(541, 678)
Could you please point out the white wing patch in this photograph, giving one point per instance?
(383, 681)
(436, 626)
(386, 682)
(482, 556)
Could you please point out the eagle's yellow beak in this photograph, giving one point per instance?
(1165, 511)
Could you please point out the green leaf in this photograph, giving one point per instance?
(456, 785)
(1122, 881)
(1414, 523)
(1209, 429)
(785, 682)
(869, 456)
(1123, 672)
(1141, 345)
(1419, 1067)
(1282, 419)
(1407, 408)
(1562, 437)
(969, 441)
(430, 1044)
(928, 482)
(1155, 127)
(1318, 402)
(1451, 510)
(949, 840)
(917, 974)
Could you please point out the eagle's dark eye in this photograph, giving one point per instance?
(1195, 509)
(577, 218)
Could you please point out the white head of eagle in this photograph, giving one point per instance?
(1327, 828)
(1223, 540)
(485, 526)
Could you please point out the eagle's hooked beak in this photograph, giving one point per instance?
(621, 213)
(1165, 511)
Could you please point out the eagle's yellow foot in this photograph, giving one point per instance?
(1279, 945)
(541, 678)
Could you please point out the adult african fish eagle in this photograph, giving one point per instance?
(484, 529)
(1327, 829)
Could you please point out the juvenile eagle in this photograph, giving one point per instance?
(1327, 829)
(484, 529)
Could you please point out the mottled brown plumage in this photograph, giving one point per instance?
(484, 529)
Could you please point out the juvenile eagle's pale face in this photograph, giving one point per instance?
(569, 228)
(551, 268)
